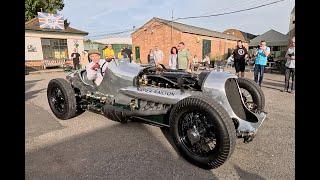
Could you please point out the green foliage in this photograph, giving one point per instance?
(34, 6)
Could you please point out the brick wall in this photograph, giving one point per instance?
(235, 32)
(154, 33)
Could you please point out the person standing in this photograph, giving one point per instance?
(128, 52)
(195, 63)
(230, 60)
(151, 58)
(184, 57)
(290, 66)
(173, 58)
(108, 53)
(239, 55)
(206, 61)
(75, 56)
(120, 56)
(262, 54)
(158, 55)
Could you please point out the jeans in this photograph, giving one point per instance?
(258, 73)
(289, 72)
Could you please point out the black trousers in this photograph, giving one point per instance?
(76, 65)
(289, 72)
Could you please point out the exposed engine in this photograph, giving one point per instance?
(176, 79)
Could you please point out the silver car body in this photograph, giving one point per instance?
(119, 83)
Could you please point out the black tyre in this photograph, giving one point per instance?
(202, 131)
(252, 94)
(61, 98)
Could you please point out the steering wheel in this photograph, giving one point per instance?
(163, 67)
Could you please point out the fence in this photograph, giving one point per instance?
(53, 63)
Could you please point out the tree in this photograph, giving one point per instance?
(34, 6)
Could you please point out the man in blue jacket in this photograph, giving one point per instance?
(261, 61)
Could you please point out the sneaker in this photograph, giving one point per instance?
(284, 90)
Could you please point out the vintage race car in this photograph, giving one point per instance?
(205, 112)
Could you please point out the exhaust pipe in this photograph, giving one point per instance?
(119, 114)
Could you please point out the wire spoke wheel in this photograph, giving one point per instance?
(202, 131)
(61, 98)
(252, 95)
(197, 133)
(58, 100)
(248, 100)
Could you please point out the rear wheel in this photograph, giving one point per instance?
(61, 98)
(202, 131)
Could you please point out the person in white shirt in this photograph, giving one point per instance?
(229, 61)
(96, 68)
(195, 63)
(290, 66)
(173, 58)
(158, 56)
(206, 60)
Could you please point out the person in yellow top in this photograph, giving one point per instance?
(108, 52)
(120, 56)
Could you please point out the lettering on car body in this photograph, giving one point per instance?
(156, 91)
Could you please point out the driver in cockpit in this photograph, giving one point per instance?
(96, 68)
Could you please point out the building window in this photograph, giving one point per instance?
(293, 22)
(54, 48)
(275, 48)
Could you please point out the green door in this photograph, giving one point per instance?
(137, 52)
(206, 47)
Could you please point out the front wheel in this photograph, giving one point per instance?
(202, 131)
(252, 94)
(61, 98)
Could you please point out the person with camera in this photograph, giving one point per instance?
(261, 54)
(290, 66)
(239, 55)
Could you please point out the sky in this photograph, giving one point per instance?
(100, 17)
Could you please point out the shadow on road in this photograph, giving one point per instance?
(33, 94)
(122, 151)
(274, 80)
(246, 175)
(30, 84)
(280, 85)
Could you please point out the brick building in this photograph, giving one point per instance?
(244, 36)
(166, 34)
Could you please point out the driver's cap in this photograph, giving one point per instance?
(93, 51)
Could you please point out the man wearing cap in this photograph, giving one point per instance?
(96, 68)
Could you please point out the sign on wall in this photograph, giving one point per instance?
(50, 21)
(31, 48)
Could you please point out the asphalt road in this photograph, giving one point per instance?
(92, 147)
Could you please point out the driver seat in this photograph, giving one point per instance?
(83, 76)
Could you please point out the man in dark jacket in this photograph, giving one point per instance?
(239, 55)
(128, 52)
(75, 56)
